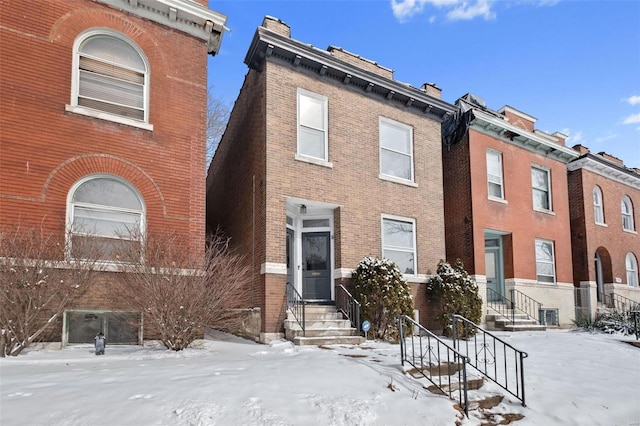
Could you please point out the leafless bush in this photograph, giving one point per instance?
(36, 285)
(180, 293)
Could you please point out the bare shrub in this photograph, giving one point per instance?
(36, 285)
(180, 293)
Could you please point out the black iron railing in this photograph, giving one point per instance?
(517, 302)
(493, 357)
(349, 306)
(434, 359)
(296, 305)
(620, 303)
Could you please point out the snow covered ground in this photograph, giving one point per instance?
(572, 378)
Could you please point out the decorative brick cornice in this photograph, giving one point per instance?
(269, 45)
(183, 15)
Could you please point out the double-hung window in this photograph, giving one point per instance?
(106, 218)
(632, 270)
(110, 78)
(494, 174)
(541, 187)
(396, 149)
(545, 261)
(598, 208)
(627, 213)
(399, 243)
(312, 125)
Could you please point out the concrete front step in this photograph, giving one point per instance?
(320, 323)
(512, 322)
(323, 325)
(328, 340)
(319, 332)
(316, 316)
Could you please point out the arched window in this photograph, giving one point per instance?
(632, 270)
(627, 213)
(111, 75)
(598, 208)
(106, 219)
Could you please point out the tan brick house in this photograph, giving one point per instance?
(326, 159)
(507, 210)
(102, 123)
(604, 200)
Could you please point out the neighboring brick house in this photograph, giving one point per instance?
(507, 209)
(102, 123)
(326, 159)
(604, 200)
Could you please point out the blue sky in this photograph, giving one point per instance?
(574, 65)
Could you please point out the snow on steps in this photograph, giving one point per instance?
(323, 326)
(504, 323)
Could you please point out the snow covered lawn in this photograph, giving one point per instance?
(572, 378)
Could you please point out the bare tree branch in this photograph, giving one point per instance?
(217, 117)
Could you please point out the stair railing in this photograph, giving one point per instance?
(297, 306)
(507, 306)
(349, 306)
(490, 355)
(621, 303)
(434, 359)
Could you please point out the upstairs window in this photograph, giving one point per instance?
(312, 125)
(494, 174)
(396, 149)
(632, 270)
(399, 243)
(545, 261)
(111, 76)
(627, 213)
(598, 208)
(106, 218)
(541, 186)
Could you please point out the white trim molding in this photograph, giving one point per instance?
(608, 171)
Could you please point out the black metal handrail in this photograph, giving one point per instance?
(349, 306)
(434, 359)
(486, 351)
(520, 302)
(297, 306)
(621, 303)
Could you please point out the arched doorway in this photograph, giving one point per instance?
(603, 272)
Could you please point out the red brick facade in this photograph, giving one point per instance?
(45, 147)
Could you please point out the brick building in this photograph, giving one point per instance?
(604, 198)
(102, 124)
(326, 159)
(507, 210)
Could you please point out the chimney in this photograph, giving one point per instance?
(360, 62)
(518, 118)
(277, 26)
(581, 149)
(432, 90)
(562, 138)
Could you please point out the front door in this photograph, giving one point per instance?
(290, 256)
(493, 270)
(599, 280)
(316, 266)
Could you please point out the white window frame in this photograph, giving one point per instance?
(324, 100)
(631, 266)
(75, 82)
(71, 205)
(626, 208)
(500, 179)
(548, 191)
(383, 121)
(552, 262)
(598, 206)
(413, 250)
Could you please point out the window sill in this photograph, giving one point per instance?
(497, 200)
(106, 116)
(316, 161)
(629, 231)
(604, 225)
(398, 180)
(549, 212)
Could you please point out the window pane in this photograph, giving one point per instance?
(395, 164)
(398, 234)
(403, 259)
(315, 223)
(495, 190)
(494, 167)
(540, 199)
(312, 143)
(111, 90)
(114, 50)
(544, 251)
(107, 192)
(311, 112)
(540, 179)
(395, 138)
(84, 247)
(106, 223)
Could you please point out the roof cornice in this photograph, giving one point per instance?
(603, 168)
(269, 44)
(503, 130)
(183, 15)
